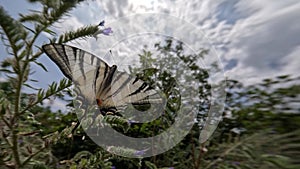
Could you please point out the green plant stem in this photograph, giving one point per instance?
(6, 122)
(6, 140)
(193, 152)
(32, 155)
(39, 101)
(15, 146)
(200, 155)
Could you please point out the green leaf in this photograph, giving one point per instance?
(50, 32)
(34, 17)
(41, 65)
(84, 32)
(6, 71)
(13, 30)
(150, 165)
(29, 86)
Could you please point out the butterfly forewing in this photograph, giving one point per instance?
(77, 65)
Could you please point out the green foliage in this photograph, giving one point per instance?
(13, 32)
(259, 127)
(264, 149)
(81, 32)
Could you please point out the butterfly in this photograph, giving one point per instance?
(97, 82)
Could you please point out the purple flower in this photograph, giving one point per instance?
(171, 167)
(107, 31)
(104, 31)
(113, 167)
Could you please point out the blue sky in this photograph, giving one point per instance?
(254, 39)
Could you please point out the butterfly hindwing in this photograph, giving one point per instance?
(127, 89)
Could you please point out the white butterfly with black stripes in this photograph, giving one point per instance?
(98, 82)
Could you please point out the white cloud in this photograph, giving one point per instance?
(56, 104)
(258, 40)
(266, 37)
(258, 34)
(291, 63)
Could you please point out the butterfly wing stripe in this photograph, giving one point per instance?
(107, 81)
(102, 82)
(77, 65)
(121, 86)
(129, 90)
(100, 78)
(135, 80)
(86, 86)
(81, 61)
(151, 98)
(110, 75)
(143, 86)
(106, 70)
(95, 80)
(118, 76)
(57, 57)
(65, 58)
(122, 80)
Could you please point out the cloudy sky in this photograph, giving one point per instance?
(254, 39)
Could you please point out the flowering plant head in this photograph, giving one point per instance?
(107, 31)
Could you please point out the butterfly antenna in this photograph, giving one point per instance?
(111, 54)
